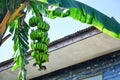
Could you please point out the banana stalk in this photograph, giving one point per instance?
(10, 18)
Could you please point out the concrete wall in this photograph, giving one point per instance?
(108, 66)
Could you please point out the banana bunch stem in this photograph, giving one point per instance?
(39, 37)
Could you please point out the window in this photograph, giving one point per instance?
(93, 77)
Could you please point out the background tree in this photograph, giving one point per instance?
(13, 14)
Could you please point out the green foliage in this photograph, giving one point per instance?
(20, 38)
(86, 14)
(39, 34)
(55, 11)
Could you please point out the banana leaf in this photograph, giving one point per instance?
(89, 15)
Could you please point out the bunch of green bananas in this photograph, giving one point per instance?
(40, 40)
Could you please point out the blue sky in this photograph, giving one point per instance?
(61, 27)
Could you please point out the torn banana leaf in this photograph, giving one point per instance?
(87, 14)
(55, 11)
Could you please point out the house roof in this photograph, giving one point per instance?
(56, 41)
(73, 35)
(108, 60)
(76, 48)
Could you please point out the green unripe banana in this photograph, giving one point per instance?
(34, 53)
(45, 57)
(45, 40)
(37, 34)
(32, 22)
(39, 47)
(40, 40)
(43, 26)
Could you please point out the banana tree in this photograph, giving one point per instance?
(13, 14)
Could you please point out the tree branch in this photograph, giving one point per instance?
(4, 39)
